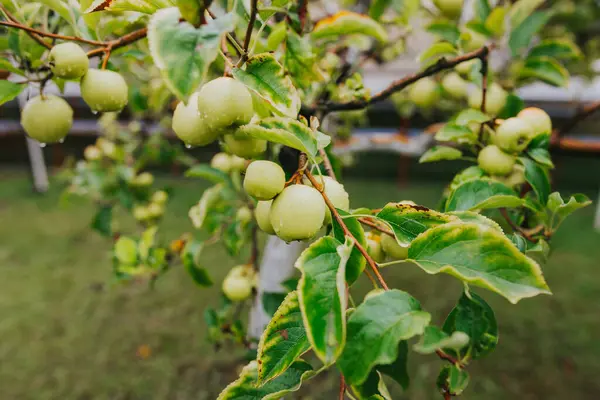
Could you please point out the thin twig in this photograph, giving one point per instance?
(484, 87)
(253, 12)
(448, 357)
(38, 32)
(254, 254)
(347, 232)
(375, 226)
(327, 163)
(398, 85)
(342, 387)
(573, 121)
(119, 42)
(516, 227)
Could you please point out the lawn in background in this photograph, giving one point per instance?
(68, 331)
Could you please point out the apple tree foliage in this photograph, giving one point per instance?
(259, 77)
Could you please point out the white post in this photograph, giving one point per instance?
(597, 219)
(36, 155)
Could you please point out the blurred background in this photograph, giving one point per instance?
(68, 330)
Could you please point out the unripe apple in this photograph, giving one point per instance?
(237, 163)
(516, 177)
(238, 284)
(47, 119)
(374, 247)
(392, 248)
(495, 99)
(513, 135)
(92, 153)
(104, 90)
(455, 85)
(244, 215)
(140, 213)
(142, 180)
(450, 8)
(107, 147)
(222, 162)
(335, 192)
(538, 119)
(68, 61)
(262, 213)
(264, 180)
(494, 161)
(159, 197)
(155, 210)
(464, 68)
(424, 92)
(246, 147)
(297, 213)
(189, 126)
(476, 40)
(224, 102)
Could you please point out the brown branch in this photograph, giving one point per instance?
(120, 42)
(327, 163)
(375, 226)
(342, 387)
(35, 37)
(516, 227)
(253, 12)
(484, 87)
(447, 357)
(254, 254)
(573, 121)
(38, 32)
(442, 64)
(347, 232)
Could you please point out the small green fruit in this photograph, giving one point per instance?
(494, 161)
(225, 102)
(335, 192)
(222, 162)
(495, 99)
(237, 163)
(538, 119)
(47, 119)
(159, 197)
(513, 135)
(476, 40)
(155, 210)
(262, 213)
(104, 90)
(374, 247)
(455, 85)
(264, 180)
(189, 126)
(450, 8)
(424, 92)
(107, 147)
(297, 213)
(516, 177)
(142, 180)
(246, 147)
(244, 215)
(68, 61)
(238, 284)
(465, 68)
(92, 153)
(140, 213)
(392, 248)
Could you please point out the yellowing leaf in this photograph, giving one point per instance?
(347, 22)
(142, 6)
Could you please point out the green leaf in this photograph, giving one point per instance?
(7, 66)
(271, 302)
(375, 329)
(126, 251)
(207, 172)
(9, 91)
(283, 341)
(141, 6)
(301, 60)
(289, 132)
(452, 132)
(437, 51)
(244, 388)
(539, 251)
(209, 198)
(521, 35)
(398, 370)
(65, 11)
(521, 10)
(436, 339)
(518, 241)
(378, 7)
(268, 79)
(495, 21)
(541, 141)
(408, 221)
(373, 388)
(183, 53)
(147, 241)
(482, 9)
(493, 261)
(541, 156)
(234, 237)
(476, 218)
(444, 29)
(347, 23)
(514, 105)
(560, 210)
(439, 153)
(538, 178)
(356, 263)
(191, 10)
(473, 316)
(480, 194)
(322, 295)
(470, 115)
(545, 69)
(562, 49)
(102, 221)
(453, 379)
(191, 259)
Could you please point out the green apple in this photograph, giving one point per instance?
(155, 210)
(159, 197)
(92, 153)
(424, 92)
(335, 192)
(244, 215)
(513, 135)
(262, 213)
(297, 213)
(47, 119)
(141, 213)
(238, 163)
(516, 177)
(475, 41)
(238, 284)
(189, 125)
(465, 68)
(264, 180)
(222, 162)
(494, 161)
(455, 85)
(225, 102)
(104, 90)
(244, 146)
(495, 99)
(68, 61)
(450, 8)
(392, 248)
(142, 180)
(538, 119)
(374, 247)
(107, 147)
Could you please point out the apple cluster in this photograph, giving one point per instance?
(49, 118)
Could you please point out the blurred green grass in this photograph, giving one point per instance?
(68, 331)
